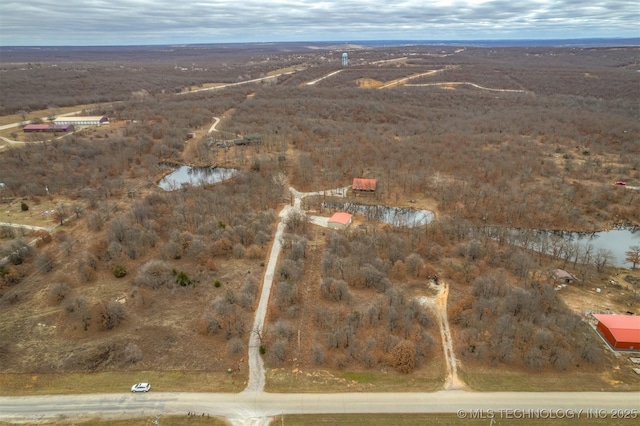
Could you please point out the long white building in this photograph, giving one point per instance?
(83, 121)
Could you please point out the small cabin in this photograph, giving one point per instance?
(364, 185)
(563, 276)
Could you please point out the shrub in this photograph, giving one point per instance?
(235, 346)
(155, 274)
(132, 353)
(404, 357)
(183, 279)
(58, 292)
(238, 251)
(24, 207)
(44, 236)
(112, 315)
(20, 250)
(119, 271)
(44, 262)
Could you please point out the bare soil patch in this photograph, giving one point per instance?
(368, 83)
(612, 295)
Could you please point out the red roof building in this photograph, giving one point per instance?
(621, 331)
(340, 220)
(360, 184)
(32, 128)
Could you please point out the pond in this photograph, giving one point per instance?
(586, 246)
(195, 176)
(396, 216)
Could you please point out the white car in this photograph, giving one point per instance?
(141, 387)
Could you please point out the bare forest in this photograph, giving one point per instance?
(139, 278)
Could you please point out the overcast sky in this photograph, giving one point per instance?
(134, 22)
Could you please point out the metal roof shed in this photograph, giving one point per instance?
(361, 184)
(621, 331)
(340, 220)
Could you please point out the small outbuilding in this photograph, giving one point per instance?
(340, 220)
(621, 331)
(563, 276)
(364, 185)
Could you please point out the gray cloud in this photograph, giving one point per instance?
(92, 22)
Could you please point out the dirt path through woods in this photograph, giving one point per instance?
(452, 381)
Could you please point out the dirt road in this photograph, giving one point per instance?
(462, 83)
(256, 365)
(214, 125)
(452, 381)
(259, 409)
(395, 83)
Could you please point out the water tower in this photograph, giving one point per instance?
(345, 59)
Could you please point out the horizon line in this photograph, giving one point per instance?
(515, 41)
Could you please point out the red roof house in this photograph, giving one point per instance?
(621, 331)
(31, 128)
(360, 184)
(340, 220)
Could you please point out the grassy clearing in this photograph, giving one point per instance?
(485, 379)
(11, 212)
(428, 379)
(428, 419)
(115, 382)
(163, 420)
(285, 70)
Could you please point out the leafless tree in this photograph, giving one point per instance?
(414, 264)
(603, 258)
(78, 309)
(111, 315)
(277, 352)
(633, 256)
(318, 354)
(132, 353)
(44, 262)
(235, 346)
(335, 290)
